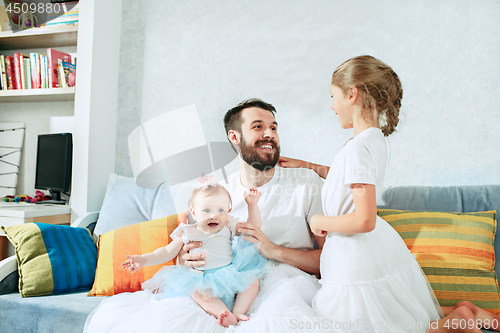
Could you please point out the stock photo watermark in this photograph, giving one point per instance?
(360, 324)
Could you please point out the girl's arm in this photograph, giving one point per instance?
(286, 162)
(158, 256)
(360, 221)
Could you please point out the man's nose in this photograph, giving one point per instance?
(268, 133)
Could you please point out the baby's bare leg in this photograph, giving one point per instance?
(216, 307)
(244, 300)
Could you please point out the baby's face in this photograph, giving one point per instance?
(210, 211)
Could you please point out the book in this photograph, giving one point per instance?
(16, 79)
(43, 76)
(27, 73)
(9, 65)
(22, 83)
(4, 73)
(70, 15)
(69, 71)
(35, 74)
(53, 58)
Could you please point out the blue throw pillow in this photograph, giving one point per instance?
(52, 258)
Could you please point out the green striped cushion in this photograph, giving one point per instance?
(455, 250)
(52, 258)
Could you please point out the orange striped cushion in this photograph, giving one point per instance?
(456, 252)
(140, 238)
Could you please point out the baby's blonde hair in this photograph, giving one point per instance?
(379, 87)
(209, 189)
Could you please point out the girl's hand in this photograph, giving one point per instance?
(287, 162)
(133, 263)
(314, 226)
(252, 196)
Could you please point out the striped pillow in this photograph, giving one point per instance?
(52, 258)
(456, 252)
(139, 238)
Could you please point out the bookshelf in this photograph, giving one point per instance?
(37, 95)
(38, 38)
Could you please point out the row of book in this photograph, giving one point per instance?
(37, 71)
(70, 16)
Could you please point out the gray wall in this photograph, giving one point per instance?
(216, 53)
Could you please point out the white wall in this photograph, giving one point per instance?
(215, 54)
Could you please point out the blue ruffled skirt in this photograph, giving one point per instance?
(223, 282)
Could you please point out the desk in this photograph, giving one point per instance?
(12, 213)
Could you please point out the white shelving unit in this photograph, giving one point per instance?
(38, 38)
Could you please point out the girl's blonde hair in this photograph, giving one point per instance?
(379, 87)
(209, 190)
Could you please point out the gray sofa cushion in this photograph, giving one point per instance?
(54, 313)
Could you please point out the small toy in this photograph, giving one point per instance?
(31, 200)
(8, 198)
(40, 196)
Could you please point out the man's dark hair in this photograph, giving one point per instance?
(232, 119)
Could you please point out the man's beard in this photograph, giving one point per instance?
(250, 155)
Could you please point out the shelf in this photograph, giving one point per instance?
(37, 95)
(65, 35)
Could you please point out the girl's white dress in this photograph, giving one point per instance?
(232, 264)
(370, 282)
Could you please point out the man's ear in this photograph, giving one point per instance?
(234, 137)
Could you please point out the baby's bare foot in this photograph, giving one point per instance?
(226, 318)
(483, 318)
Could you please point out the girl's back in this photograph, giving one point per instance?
(362, 160)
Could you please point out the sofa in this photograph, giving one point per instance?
(66, 312)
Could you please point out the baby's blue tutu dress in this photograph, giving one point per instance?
(222, 282)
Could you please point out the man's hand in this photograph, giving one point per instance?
(254, 235)
(191, 259)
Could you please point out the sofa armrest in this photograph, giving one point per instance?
(8, 275)
(85, 220)
(88, 221)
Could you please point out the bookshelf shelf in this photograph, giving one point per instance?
(37, 95)
(39, 37)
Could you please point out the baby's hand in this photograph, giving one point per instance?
(252, 196)
(133, 263)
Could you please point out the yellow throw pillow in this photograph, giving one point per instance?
(113, 246)
(456, 252)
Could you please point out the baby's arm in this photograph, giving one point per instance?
(254, 217)
(286, 162)
(158, 256)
